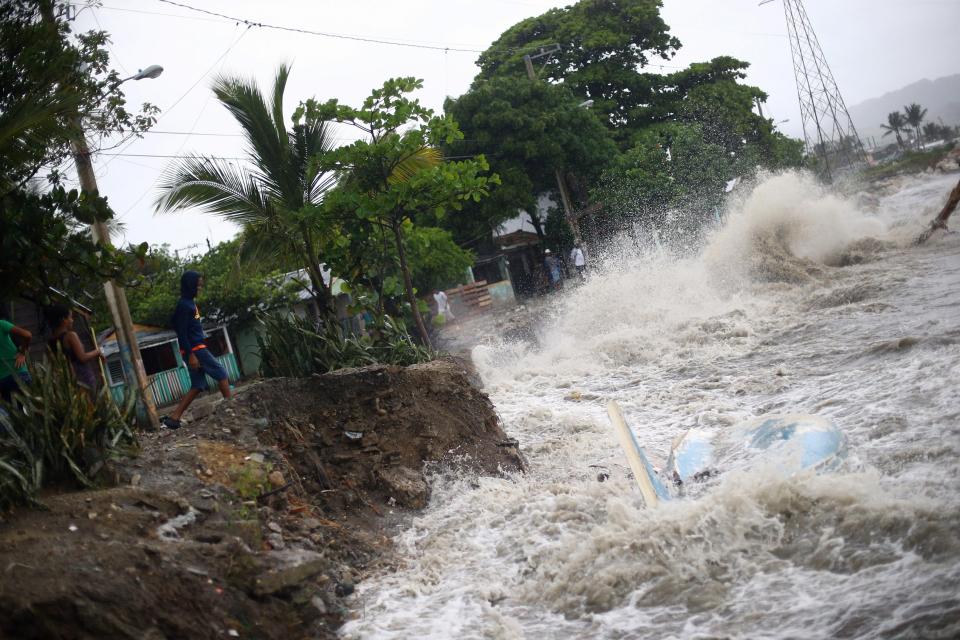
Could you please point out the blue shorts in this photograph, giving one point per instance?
(9, 384)
(209, 366)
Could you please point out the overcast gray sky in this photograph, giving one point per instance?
(873, 46)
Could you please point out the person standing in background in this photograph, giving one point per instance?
(552, 265)
(14, 342)
(579, 261)
(193, 347)
(443, 305)
(64, 339)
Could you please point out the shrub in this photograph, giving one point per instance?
(292, 347)
(54, 433)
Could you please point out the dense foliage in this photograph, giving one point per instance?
(55, 434)
(231, 293)
(530, 131)
(291, 346)
(603, 43)
(51, 81)
(598, 50)
(395, 174)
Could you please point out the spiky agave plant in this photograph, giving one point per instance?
(54, 432)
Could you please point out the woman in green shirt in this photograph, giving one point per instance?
(13, 357)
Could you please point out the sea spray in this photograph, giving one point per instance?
(707, 340)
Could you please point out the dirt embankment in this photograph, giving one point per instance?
(253, 521)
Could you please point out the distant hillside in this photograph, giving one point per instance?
(941, 97)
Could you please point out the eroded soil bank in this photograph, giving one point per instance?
(254, 520)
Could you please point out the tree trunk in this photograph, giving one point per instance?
(408, 285)
(321, 291)
(941, 220)
(538, 228)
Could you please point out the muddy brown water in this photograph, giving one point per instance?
(801, 303)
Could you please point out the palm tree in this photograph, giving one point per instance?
(932, 131)
(915, 114)
(273, 200)
(895, 124)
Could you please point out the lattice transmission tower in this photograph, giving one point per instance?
(827, 127)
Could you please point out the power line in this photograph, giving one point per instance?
(323, 34)
(221, 135)
(171, 155)
(131, 138)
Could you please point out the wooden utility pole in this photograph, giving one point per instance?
(568, 211)
(116, 297)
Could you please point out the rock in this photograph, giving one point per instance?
(135, 480)
(409, 487)
(273, 526)
(201, 411)
(248, 531)
(343, 589)
(289, 569)
(275, 540)
(256, 457)
(310, 524)
(276, 479)
(319, 605)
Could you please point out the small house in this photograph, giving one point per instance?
(165, 368)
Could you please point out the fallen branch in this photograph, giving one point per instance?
(941, 220)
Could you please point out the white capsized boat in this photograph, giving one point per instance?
(791, 443)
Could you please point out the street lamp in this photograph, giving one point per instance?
(116, 296)
(150, 72)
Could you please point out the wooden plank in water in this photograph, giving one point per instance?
(634, 453)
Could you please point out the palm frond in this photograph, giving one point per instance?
(420, 160)
(308, 141)
(267, 150)
(215, 186)
(279, 86)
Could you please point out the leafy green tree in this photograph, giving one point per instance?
(915, 115)
(231, 294)
(395, 173)
(528, 130)
(436, 260)
(895, 124)
(603, 44)
(49, 77)
(275, 200)
(672, 166)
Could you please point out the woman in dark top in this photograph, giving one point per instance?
(64, 338)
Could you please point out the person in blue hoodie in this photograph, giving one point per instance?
(193, 347)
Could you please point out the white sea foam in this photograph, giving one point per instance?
(760, 321)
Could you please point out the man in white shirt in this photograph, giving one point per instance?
(443, 307)
(578, 260)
